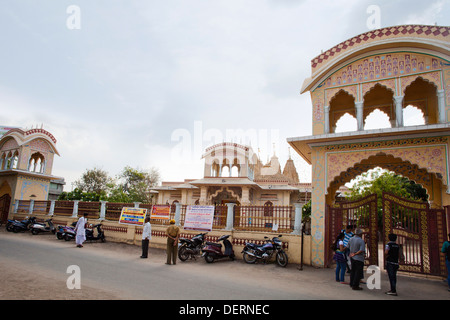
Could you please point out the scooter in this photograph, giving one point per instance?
(37, 228)
(66, 232)
(17, 226)
(189, 248)
(213, 251)
(100, 233)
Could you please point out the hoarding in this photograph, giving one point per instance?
(133, 216)
(161, 212)
(199, 218)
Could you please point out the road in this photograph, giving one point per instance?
(35, 267)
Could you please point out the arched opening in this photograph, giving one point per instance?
(235, 171)
(377, 120)
(225, 171)
(268, 209)
(346, 123)
(341, 104)
(413, 116)
(423, 95)
(36, 163)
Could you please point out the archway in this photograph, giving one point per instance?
(342, 103)
(423, 95)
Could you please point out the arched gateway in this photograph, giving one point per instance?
(388, 70)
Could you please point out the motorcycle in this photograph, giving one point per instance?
(66, 232)
(253, 252)
(37, 227)
(17, 226)
(100, 233)
(213, 251)
(189, 248)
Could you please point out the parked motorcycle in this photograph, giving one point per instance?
(37, 227)
(213, 251)
(66, 232)
(100, 233)
(253, 252)
(190, 248)
(17, 226)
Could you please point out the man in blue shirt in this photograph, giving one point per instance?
(446, 250)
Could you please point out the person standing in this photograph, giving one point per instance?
(357, 249)
(146, 237)
(392, 252)
(348, 234)
(80, 230)
(339, 258)
(173, 233)
(446, 250)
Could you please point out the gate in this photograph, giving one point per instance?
(360, 213)
(5, 201)
(420, 231)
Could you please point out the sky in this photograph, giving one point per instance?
(152, 84)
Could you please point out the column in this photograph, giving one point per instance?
(398, 100)
(230, 216)
(441, 106)
(31, 207)
(102, 210)
(52, 208)
(75, 209)
(359, 115)
(177, 213)
(327, 119)
(298, 218)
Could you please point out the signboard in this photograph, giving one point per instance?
(199, 218)
(133, 216)
(160, 212)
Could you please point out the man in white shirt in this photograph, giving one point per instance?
(146, 237)
(80, 231)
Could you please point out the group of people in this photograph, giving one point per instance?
(172, 232)
(349, 245)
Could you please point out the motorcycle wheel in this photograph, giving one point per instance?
(282, 259)
(59, 236)
(248, 258)
(209, 258)
(9, 227)
(182, 253)
(34, 231)
(67, 237)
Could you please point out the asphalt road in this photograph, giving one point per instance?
(113, 270)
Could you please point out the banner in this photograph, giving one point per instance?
(133, 216)
(199, 218)
(160, 212)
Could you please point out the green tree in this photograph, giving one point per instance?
(94, 180)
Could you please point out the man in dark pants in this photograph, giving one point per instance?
(357, 249)
(146, 236)
(392, 251)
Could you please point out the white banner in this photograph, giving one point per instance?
(199, 218)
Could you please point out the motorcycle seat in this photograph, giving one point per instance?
(214, 244)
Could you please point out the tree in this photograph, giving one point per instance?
(94, 180)
(134, 185)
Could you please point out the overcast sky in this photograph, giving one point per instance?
(153, 83)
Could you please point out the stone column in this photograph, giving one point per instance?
(75, 209)
(298, 218)
(327, 119)
(441, 106)
(230, 216)
(31, 207)
(398, 100)
(103, 210)
(52, 208)
(177, 213)
(359, 115)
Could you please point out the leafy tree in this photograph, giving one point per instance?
(94, 180)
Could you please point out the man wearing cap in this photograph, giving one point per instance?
(357, 249)
(173, 233)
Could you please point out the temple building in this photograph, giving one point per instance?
(233, 173)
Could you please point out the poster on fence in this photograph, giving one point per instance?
(161, 212)
(133, 216)
(199, 218)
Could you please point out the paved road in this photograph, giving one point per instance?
(118, 272)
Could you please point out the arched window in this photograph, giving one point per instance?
(377, 120)
(36, 163)
(346, 123)
(235, 171)
(15, 160)
(225, 171)
(268, 209)
(413, 116)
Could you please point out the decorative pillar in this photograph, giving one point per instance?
(359, 115)
(31, 207)
(103, 210)
(298, 218)
(398, 100)
(52, 208)
(230, 216)
(441, 106)
(75, 209)
(177, 213)
(327, 119)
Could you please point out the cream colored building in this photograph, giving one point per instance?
(233, 173)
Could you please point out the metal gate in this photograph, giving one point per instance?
(5, 201)
(360, 213)
(420, 231)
